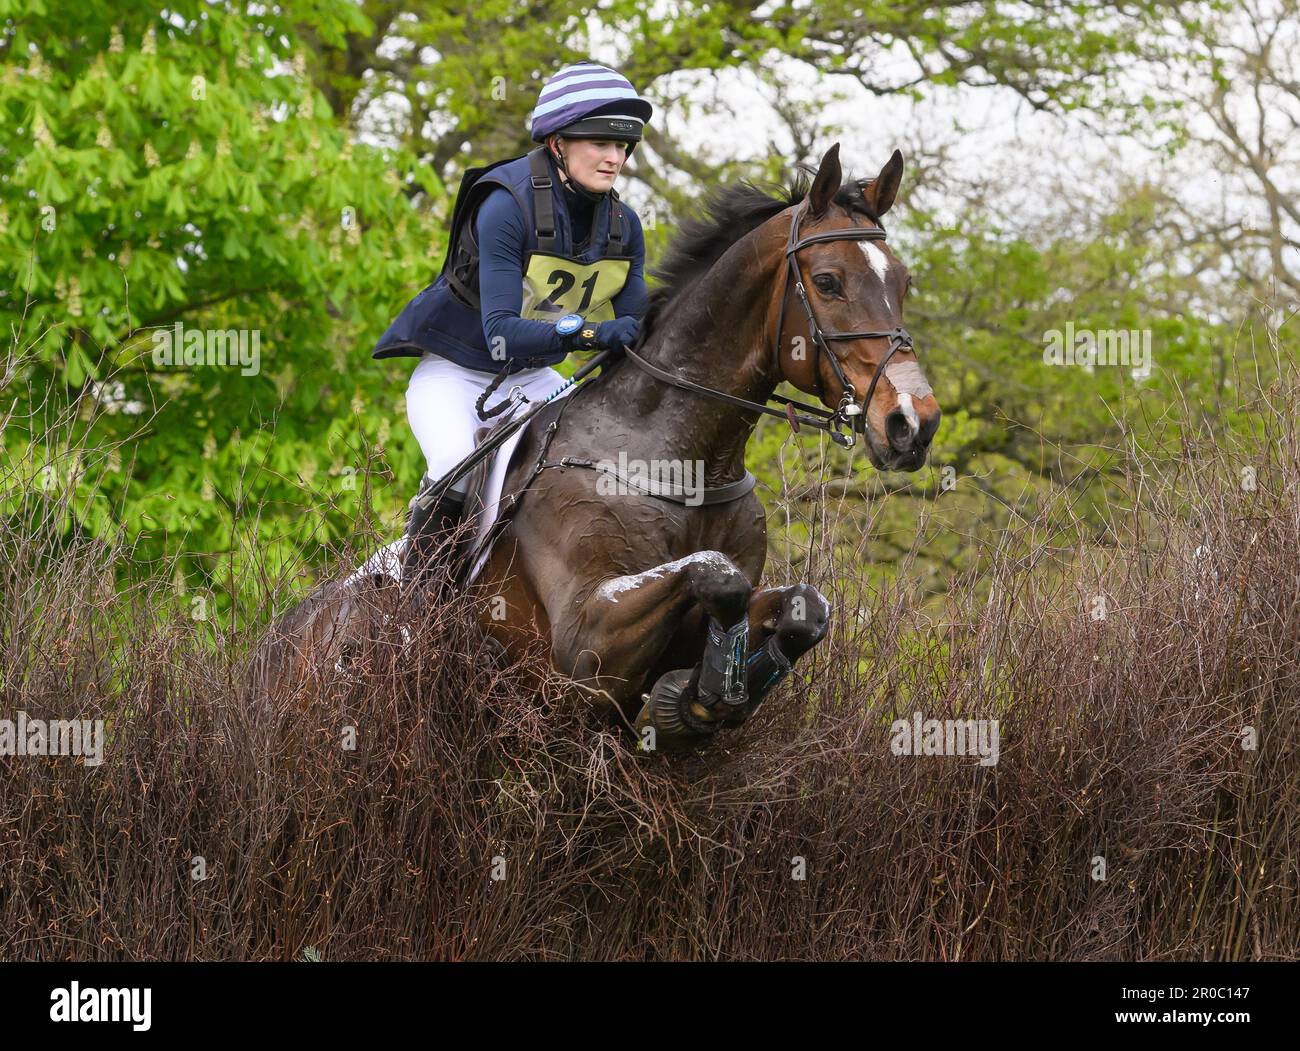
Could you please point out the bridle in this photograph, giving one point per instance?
(898, 337)
(839, 423)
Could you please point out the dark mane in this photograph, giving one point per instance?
(729, 214)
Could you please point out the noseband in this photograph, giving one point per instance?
(837, 424)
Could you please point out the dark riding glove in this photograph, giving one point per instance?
(615, 334)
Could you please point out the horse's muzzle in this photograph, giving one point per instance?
(907, 440)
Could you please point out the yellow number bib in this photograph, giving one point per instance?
(555, 286)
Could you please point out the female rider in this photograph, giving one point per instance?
(543, 260)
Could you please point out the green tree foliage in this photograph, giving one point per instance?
(157, 170)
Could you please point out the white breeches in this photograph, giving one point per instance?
(440, 407)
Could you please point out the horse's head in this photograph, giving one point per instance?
(855, 287)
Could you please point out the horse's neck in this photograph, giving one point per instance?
(716, 335)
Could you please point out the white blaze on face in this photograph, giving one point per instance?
(909, 411)
(906, 376)
(880, 264)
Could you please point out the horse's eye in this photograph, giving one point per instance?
(826, 283)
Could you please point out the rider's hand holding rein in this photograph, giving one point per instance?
(577, 335)
(615, 335)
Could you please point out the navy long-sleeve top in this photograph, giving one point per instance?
(501, 239)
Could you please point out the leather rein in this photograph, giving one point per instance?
(839, 423)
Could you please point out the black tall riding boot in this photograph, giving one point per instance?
(429, 526)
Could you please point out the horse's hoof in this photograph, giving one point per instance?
(493, 654)
(348, 665)
(676, 720)
(733, 715)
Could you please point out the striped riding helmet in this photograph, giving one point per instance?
(590, 101)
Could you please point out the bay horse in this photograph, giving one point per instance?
(653, 602)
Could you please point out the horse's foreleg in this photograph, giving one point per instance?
(784, 623)
(626, 622)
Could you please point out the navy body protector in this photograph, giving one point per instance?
(446, 316)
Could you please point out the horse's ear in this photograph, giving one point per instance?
(879, 192)
(826, 183)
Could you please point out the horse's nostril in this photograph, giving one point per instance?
(929, 427)
(898, 429)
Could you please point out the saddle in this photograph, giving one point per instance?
(487, 506)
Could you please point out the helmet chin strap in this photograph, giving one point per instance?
(570, 181)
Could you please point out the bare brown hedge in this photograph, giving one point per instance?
(1121, 739)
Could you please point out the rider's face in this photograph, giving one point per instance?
(594, 163)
